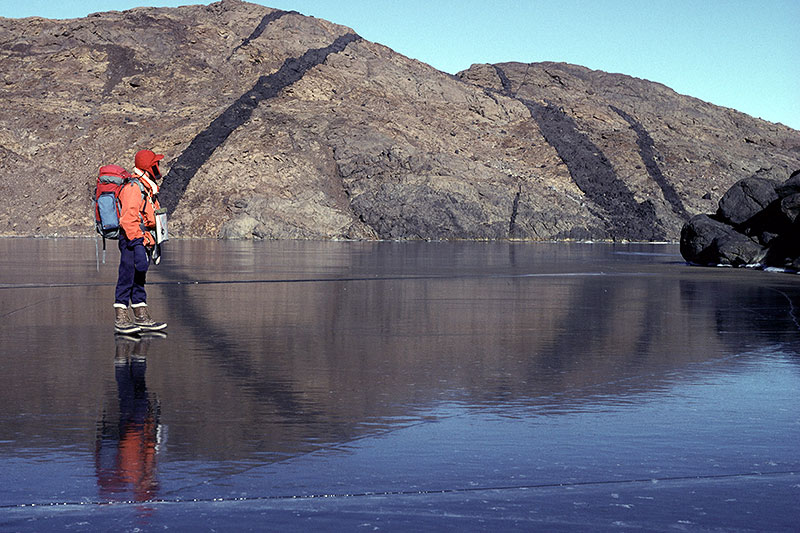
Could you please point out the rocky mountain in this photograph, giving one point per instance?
(278, 125)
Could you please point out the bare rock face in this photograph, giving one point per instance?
(644, 157)
(276, 125)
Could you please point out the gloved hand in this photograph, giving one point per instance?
(149, 240)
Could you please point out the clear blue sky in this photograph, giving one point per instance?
(733, 53)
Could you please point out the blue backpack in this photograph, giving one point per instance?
(110, 181)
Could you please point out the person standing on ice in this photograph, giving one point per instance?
(138, 201)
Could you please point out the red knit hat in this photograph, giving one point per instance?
(146, 159)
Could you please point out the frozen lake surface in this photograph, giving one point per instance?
(399, 386)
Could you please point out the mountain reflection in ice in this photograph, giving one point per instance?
(299, 368)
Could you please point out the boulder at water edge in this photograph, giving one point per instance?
(757, 224)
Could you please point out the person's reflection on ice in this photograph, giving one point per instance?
(127, 444)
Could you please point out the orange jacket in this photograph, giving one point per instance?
(137, 207)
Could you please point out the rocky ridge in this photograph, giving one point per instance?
(277, 125)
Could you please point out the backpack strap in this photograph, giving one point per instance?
(139, 183)
(134, 179)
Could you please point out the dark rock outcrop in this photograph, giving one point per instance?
(276, 125)
(757, 224)
(746, 199)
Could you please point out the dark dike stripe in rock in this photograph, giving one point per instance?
(268, 18)
(648, 155)
(207, 141)
(591, 171)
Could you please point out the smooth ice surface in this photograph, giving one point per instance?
(399, 386)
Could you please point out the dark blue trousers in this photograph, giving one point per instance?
(133, 263)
